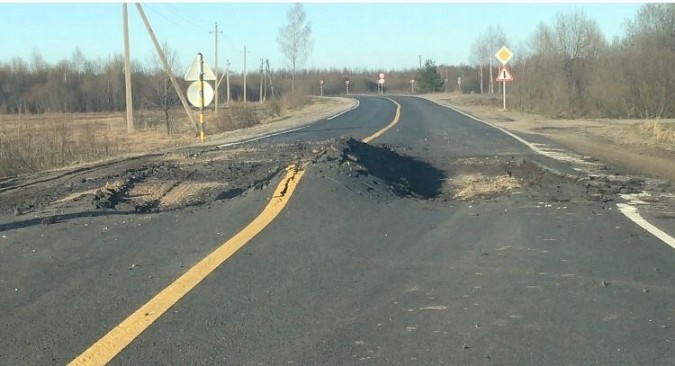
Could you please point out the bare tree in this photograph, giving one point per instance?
(484, 49)
(648, 55)
(654, 24)
(163, 95)
(572, 36)
(294, 39)
(565, 55)
(479, 55)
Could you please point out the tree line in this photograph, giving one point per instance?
(571, 70)
(567, 69)
(80, 85)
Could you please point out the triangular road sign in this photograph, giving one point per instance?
(193, 72)
(504, 74)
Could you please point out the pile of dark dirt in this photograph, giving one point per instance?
(382, 167)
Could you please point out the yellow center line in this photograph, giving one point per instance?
(110, 345)
(387, 127)
(106, 348)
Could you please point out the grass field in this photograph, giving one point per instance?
(31, 143)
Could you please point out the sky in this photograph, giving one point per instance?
(372, 36)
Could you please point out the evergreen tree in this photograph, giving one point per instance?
(428, 79)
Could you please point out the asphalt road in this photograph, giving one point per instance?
(350, 273)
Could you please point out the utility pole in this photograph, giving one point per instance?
(245, 52)
(127, 71)
(167, 67)
(216, 70)
(269, 77)
(262, 79)
(264, 90)
(227, 72)
(420, 58)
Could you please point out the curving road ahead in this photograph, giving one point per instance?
(549, 272)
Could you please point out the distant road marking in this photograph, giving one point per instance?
(263, 137)
(106, 348)
(632, 213)
(523, 141)
(343, 112)
(387, 127)
(626, 209)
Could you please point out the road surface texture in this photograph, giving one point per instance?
(442, 240)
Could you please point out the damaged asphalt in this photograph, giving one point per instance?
(441, 242)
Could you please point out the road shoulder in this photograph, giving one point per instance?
(617, 142)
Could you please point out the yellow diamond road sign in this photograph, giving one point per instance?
(504, 55)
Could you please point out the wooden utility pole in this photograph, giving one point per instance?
(262, 80)
(269, 78)
(245, 74)
(227, 71)
(127, 71)
(215, 94)
(167, 67)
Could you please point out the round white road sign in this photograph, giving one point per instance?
(193, 94)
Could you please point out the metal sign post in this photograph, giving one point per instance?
(201, 97)
(200, 71)
(380, 82)
(504, 94)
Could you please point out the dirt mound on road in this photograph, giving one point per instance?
(202, 175)
(381, 165)
(197, 176)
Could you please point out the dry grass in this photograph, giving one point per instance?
(42, 142)
(470, 186)
(658, 132)
(32, 143)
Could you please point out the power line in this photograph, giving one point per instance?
(186, 18)
(182, 23)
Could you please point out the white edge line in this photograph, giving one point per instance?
(525, 142)
(626, 209)
(263, 137)
(632, 213)
(343, 112)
